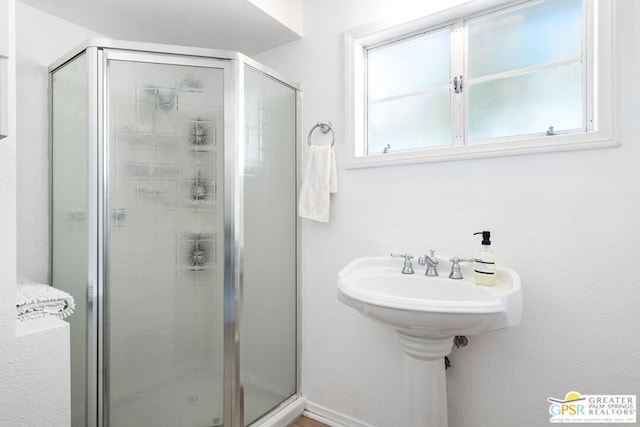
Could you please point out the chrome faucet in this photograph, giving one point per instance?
(431, 262)
(407, 268)
(456, 273)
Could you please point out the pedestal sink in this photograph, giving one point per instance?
(427, 313)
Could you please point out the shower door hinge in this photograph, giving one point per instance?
(457, 84)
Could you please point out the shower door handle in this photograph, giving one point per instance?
(90, 288)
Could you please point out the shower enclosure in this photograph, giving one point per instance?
(173, 218)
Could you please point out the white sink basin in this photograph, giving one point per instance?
(431, 306)
(427, 312)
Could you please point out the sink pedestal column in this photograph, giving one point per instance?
(424, 389)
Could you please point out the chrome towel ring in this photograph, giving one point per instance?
(324, 128)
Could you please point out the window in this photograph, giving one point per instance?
(511, 78)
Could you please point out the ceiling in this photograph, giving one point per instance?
(219, 24)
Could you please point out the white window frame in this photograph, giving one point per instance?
(600, 57)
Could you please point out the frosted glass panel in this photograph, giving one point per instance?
(526, 104)
(69, 222)
(164, 302)
(540, 33)
(410, 123)
(268, 299)
(409, 66)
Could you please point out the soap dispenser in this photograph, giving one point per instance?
(485, 262)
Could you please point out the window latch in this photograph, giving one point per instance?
(457, 84)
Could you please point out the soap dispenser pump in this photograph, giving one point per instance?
(485, 262)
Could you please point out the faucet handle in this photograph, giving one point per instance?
(456, 273)
(407, 268)
(405, 256)
(458, 260)
(423, 259)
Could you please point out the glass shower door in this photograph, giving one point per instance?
(164, 325)
(268, 344)
(69, 223)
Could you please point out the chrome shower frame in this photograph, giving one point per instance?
(98, 52)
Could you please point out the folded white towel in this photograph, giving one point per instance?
(320, 179)
(34, 300)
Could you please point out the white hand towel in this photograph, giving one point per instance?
(320, 179)
(34, 300)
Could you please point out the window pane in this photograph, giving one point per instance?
(410, 66)
(541, 33)
(527, 103)
(410, 123)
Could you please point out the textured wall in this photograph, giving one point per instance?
(40, 387)
(288, 12)
(567, 222)
(34, 374)
(34, 357)
(8, 227)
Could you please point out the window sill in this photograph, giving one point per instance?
(490, 149)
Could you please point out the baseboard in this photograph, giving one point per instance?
(330, 417)
(288, 413)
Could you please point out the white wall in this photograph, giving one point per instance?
(34, 356)
(567, 222)
(288, 12)
(7, 225)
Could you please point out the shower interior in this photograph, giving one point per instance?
(173, 226)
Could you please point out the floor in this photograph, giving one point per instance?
(307, 422)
